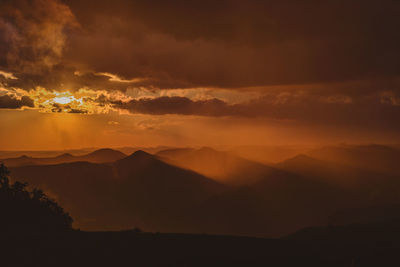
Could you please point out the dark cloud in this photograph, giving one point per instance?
(175, 105)
(180, 44)
(367, 112)
(240, 43)
(10, 102)
(58, 108)
(78, 111)
(341, 57)
(32, 34)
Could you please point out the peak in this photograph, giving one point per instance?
(140, 153)
(24, 157)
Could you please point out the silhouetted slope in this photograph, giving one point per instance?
(162, 192)
(272, 206)
(142, 190)
(35, 231)
(267, 154)
(98, 156)
(24, 211)
(371, 214)
(371, 157)
(377, 233)
(221, 166)
(131, 249)
(367, 187)
(102, 156)
(124, 248)
(333, 173)
(151, 150)
(85, 189)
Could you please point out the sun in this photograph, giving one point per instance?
(63, 99)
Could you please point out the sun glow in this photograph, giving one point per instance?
(63, 100)
(84, 101)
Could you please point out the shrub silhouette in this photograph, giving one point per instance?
(22, 210)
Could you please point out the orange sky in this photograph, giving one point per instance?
(145, 73)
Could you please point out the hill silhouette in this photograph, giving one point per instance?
(79, 248)
(141, 186)
(144, 190)
(98, 156)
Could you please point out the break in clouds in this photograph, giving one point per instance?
(314, 62)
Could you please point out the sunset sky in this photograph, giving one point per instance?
(102, 73)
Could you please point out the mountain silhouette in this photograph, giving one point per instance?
(379, 158)
(97, 156)
(144, 190)
(137, 190)
(151, 150)
(36, 227)
(102, 156)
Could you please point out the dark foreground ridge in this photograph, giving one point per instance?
(35, 231)
(130, 248)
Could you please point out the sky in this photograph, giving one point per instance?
(191, 73)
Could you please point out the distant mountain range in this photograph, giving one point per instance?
(209, 191)
(97, 156)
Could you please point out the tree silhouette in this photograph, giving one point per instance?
(22, 210)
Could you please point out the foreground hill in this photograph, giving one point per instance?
(37, 232)
(97, 156)
(128, 248)
(385, 233)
